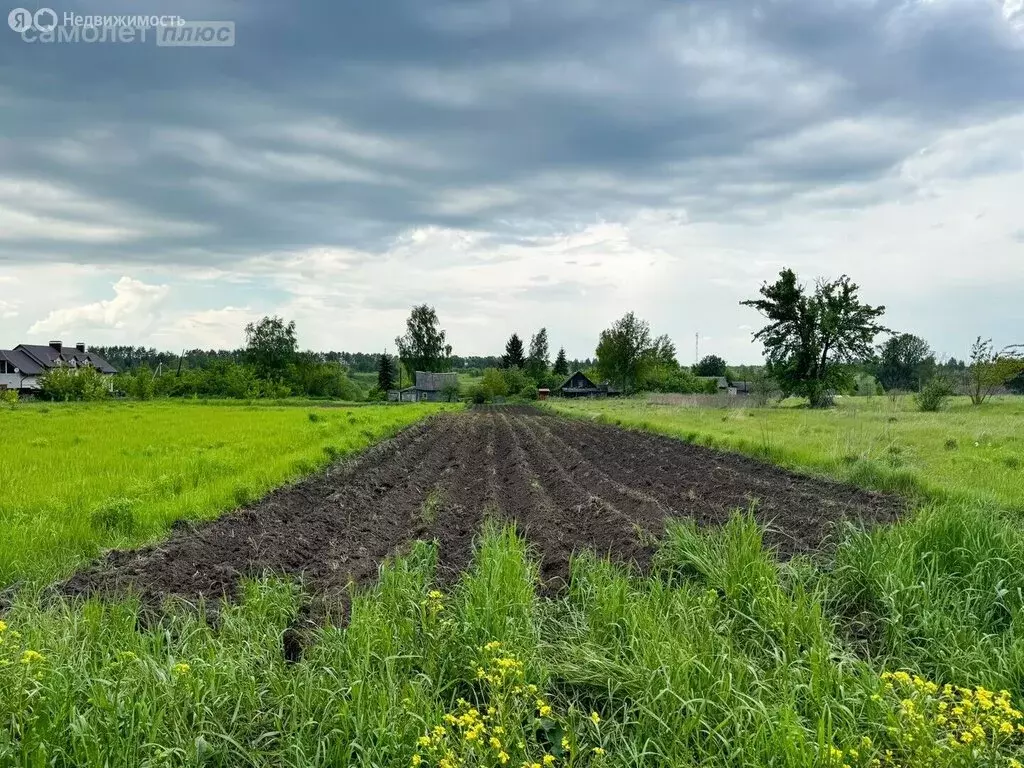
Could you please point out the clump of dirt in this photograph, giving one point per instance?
(568, 484)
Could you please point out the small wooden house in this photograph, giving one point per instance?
(430, 387)
(580, 385)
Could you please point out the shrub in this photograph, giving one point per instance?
(451, 392)
(934, 394)
(528, 392)
(8, 396)
(66, 383)
(493, 384)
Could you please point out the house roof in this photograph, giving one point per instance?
(565, 384)
(44, 356)
(21, 361)
(428, 381)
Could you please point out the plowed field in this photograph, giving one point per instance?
(568, 484)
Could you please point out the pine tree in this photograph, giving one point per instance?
(385, 373)
(513, 357)
(561, 364)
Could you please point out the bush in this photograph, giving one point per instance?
(478, 394)
(528, 392)
(451, 392)
(493, 384)
(934, 394)
(8, 396)
(66, 383)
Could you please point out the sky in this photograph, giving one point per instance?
(515, 164)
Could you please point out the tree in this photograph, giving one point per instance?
(561, 367)
(989, 369)
(537, 363)
(906, 362)
(385, 373)
(270, 347)
(423, 346)
(1016, 384)
(513, 357)
(710, 365)
(623, 350)
(810, 337)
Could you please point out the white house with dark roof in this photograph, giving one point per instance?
(22, 368)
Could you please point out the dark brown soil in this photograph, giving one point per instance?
(568, 484)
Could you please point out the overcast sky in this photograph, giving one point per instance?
(515, 163)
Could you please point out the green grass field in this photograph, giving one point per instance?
(88, 476)
(722, 656)
(965, 452)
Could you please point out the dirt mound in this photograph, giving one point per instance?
(568, 484)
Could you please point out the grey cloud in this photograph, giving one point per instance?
(347, 123)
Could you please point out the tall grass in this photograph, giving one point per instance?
(75, 478)
(720, 657)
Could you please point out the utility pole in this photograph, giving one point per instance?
(696, 347)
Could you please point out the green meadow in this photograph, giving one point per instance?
(82, 477)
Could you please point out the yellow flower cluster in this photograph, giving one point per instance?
(933, 725)
(468, 737)
(962, 716)
(500, 734)
(181, 669)
(434, 602)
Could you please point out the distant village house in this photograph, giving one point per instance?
(430, 387)
(579, 385)
(23, 367)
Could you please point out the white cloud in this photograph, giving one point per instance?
(133, 309)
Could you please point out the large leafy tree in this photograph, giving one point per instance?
(710, 365)
(423, 347)
(810, 336)
(271, 347)
(537, 362)
(385, 373)
(905, 362)
(624, 350)
(561, 367)
(514, 356)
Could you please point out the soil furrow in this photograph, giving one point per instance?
(568, 484)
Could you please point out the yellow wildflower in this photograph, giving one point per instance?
(549, 760)
(598, 750)
(3, 626)
(181, 669)
(503, 757)
(416, 760)
(31, 657)
(596, 718)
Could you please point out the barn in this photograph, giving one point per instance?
(22, 368)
